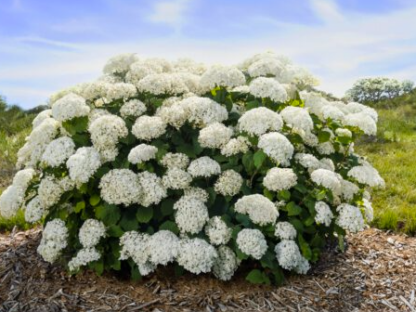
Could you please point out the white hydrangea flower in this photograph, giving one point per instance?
(226, 264)
(327, 163)
(217, 231)
(342, 132)
(259, 208)
(288, 255)
(265, 67)
(34, 210)
(83, 257)
(120, 90)
(196, 255)
(95, 114)
(191, 214)
(203, 111)
(50, 191)
(47, 113)
(134, 245)
(121, 186)
(175, 115)
(350, 218)
(58, 151)
(332, 112)
(54, 240)
(176, 179)
(120, 64)
(366, 174)
(204, 167)
(313, 101)
(163, 247)
(285, 231)
(252, 242)
(148, 128)
(235, 146)
(324, 214)
(308, 161)
(23, 178)
(142, 153)
(278, 179)
(368, 210)
(164, 83)
(197, 193)
(361, 121)
(297, 117)
(214, 135)
(277, 147)
(263, 87)
(258, 121)
(69, 107)
(134, 108)
(189, 65)
(83, 164)
(348, 190)
(326, 148)
(309, 139)
(106, 131)
(91, 232)
(152, 187)
(223, 76)
(11, 200)
(229, 183)
(327, 179)
(354, 108)
(175, 160)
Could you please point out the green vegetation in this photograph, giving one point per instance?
(15, 125)
(394, 154)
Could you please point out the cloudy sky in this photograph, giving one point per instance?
(47, 45)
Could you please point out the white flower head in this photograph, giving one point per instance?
(83, 257)
(277, 147)
(350, 218)
(222, 76)
(58, 151)
(297, 117)
(258, 121)
(163, 247)
(324, 214)
(263, 87)
(214, 135)
(203, 111)
(132, 108)
(91, 232)
(226, 264)
(142, 153)
(217, 231)
(229, 183)
(69, 107)
(176, 179)
(236, 146)
(83, 164)
(204, 167)
(175, 160)
(366, 174)
(191, 214)
(148, 128)
(288, 255)
(252, 242)
(106, 131)
(34, 210)
(327, 179)
(259, 208)
(121, 186)
(285, 231)
(196, 255)
(153, 190)
(54, 240)
(278, 179)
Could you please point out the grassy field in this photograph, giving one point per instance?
(394, 155)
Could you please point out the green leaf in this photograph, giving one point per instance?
(259, 157)
(79, 206)
(293, 209)
(304, 247)
(167, 207)
(248, 162)
(95, 200)
(170, 226)
(109, 214)
(114, 231)
(341, 242)
(135, 273)
(128, 221)
(258, 277)
(98, 266)
(284, 195)
(321, 195)
(144, 215)
(252, 104)
(324, 136)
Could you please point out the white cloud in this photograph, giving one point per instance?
(326, 10)
(171, 12)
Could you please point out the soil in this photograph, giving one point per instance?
(376, 273)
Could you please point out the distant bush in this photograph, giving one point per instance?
(375, 90)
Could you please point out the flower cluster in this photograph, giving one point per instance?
(174, 163)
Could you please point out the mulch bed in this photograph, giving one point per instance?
(376, 273)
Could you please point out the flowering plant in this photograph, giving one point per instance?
(159, 162)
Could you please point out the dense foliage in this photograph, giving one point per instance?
(374, 90)
(159, 162)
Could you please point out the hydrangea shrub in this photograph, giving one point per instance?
(204, 168)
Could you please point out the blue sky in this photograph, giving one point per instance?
(47, 45)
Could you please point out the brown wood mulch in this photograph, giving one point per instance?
(376, 273)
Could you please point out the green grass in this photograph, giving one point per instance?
(395, 205)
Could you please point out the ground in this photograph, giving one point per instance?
(376, 273)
